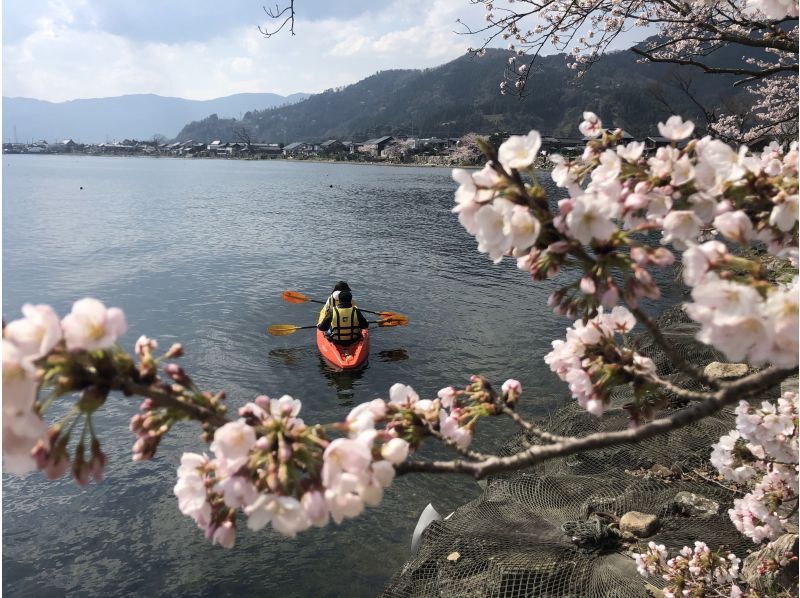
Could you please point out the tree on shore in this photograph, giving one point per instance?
(709, 36)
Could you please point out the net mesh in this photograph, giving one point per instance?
(551, 529)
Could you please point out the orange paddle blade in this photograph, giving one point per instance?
(294, 297)
(397, 319)
(389, 322)
(282, 329)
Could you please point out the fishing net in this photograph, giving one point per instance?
(551, 529)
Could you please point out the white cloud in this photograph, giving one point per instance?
(64, 55)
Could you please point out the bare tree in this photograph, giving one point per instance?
(242, 135)
(286, 13)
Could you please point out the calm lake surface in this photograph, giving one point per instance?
(199, 252)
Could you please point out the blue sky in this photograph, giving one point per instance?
(200, 49)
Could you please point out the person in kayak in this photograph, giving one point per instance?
(343, 322)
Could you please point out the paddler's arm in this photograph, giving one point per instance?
(326, 322)
(362, 321)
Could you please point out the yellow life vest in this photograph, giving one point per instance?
(344, 324)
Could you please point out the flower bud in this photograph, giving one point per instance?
(175, 351)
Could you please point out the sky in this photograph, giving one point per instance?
(60, 50)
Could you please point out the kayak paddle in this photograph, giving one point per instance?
(295, 297)
(287, 329)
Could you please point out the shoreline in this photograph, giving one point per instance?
(293, 160)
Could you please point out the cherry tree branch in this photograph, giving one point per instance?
(708, 404)
(676, 358)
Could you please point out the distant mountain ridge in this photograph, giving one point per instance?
(135, 116)
(463, 96)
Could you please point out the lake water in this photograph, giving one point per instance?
(200, 251)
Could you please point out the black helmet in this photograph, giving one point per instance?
(341, 286)
(345, 298)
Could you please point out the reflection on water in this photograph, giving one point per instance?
(342, 380)
(290, 356)
(389, 355)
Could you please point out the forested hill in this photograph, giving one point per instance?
(463, 96)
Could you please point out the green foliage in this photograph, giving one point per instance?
(463, 96)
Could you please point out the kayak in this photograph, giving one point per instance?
(343, 357)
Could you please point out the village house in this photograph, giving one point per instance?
(297, 149)
(374, 147)
(332, 147)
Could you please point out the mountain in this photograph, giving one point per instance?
(137, 116)
(463, 96)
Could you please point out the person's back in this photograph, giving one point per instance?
(343, 322)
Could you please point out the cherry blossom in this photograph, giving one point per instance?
(591, 125)
(36, 334)
(675, 129)
(519, 151)
(90, 325)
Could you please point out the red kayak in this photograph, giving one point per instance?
(344, 357)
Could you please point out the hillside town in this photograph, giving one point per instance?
(408, 150)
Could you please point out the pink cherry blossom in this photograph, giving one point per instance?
(735, 226)
(395, 451)
(36, 334)
(232, 445)
(402, 394)
(591, 125)
(316, 508)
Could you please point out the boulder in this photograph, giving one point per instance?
(694, 505)
(717, 370)
(766, 579)
(639, 524)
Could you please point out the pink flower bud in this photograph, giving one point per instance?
(610, 296)
(588, 286)
(512, 385)
(636, 201)
(662, 257)
(565, 206)
(639, 255)
(176, 350)
(558, 247)
(262, 401)
(643, 187)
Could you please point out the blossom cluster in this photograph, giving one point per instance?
(280, 471)
(762, 454)
(584, 359)
(617, 196)
(698, 572)
(27, 343)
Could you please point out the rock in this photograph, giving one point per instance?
(661, 470)
(766, 580)
(717, 370)
(695, 505)
(639, 524)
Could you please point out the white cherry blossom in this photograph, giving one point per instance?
(518, 151)
(90, 325)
